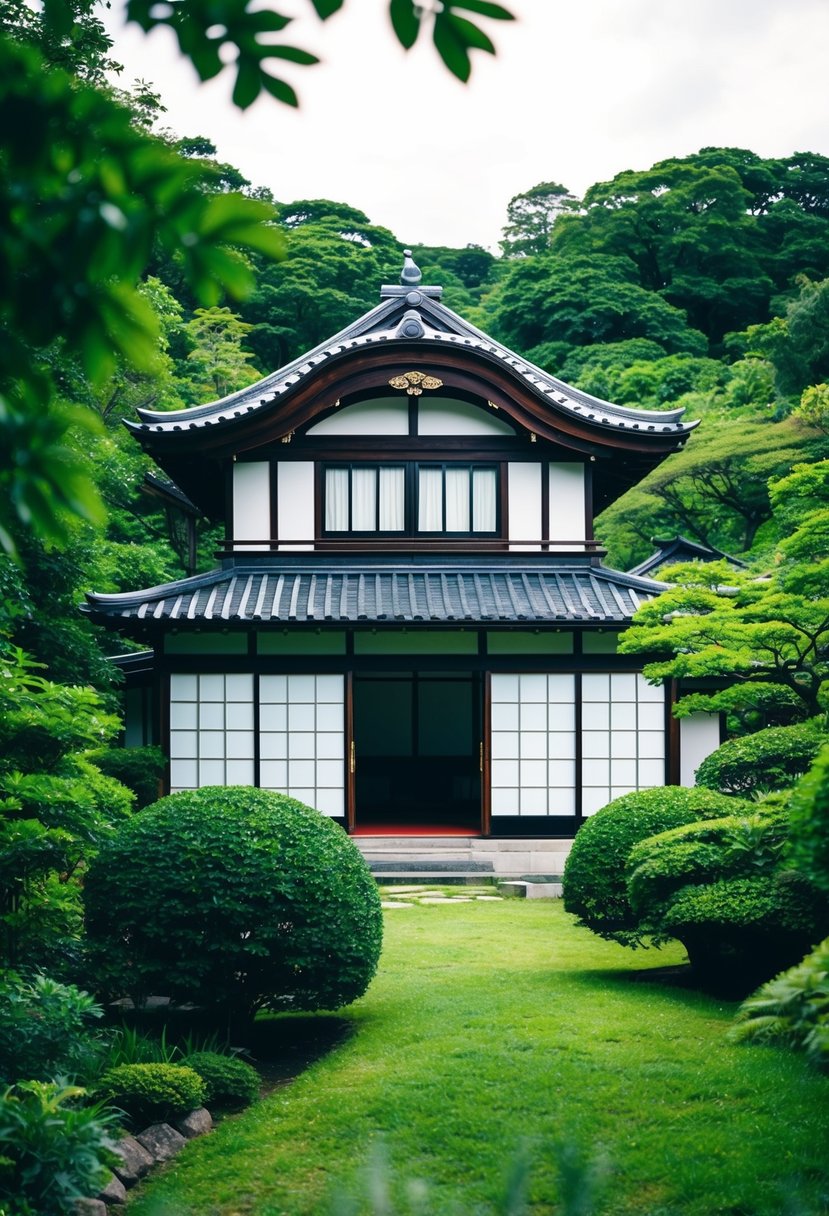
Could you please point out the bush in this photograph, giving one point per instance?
(740, 931)
(792, 1009)
(227, 1081)
(46, 1029)
(140, 769)
(809, 839)
(594, 874)
(237, 899)
(54, 1151)
(697, 853)
(152, 1093)
(771, 759)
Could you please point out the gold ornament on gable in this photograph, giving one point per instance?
(415, 382)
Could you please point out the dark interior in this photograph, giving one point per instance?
(417, 740)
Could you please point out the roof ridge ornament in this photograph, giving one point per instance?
(410, 275)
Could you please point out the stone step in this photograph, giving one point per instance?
(432, 865)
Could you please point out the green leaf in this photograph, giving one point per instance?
(483, 7)
(326, 8)
(280, 89)
(291, 53)
(471, 35)
(405, 19)
(248, 83)
(451, 47)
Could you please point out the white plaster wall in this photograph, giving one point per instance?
(252, 502)
(295, 502)
(383, 416)
(441, 416)
(567, 520)
(699, 736)
(524, 482)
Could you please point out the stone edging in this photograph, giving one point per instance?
(139, 1154)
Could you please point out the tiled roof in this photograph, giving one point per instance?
(676, 549)
(435, 595)
(414, 314)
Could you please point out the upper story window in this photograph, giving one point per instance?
(411, 499)
(457, 499)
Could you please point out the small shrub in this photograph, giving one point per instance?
(809, 839)
(792, 1009)
(700, 852)
(46, 1029)
(227, 1081)
(127, 1045)
(140, 769)
(152, 1093)
(54, 1151)
(266, 903)
(740, 931)
(594, 874)
(771, 759)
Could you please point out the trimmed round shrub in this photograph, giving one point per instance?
(236, 899)
(809, 839)
(771, 759)
(595, 886)
(152, 1093)
(701, 852)
(227, 1080)
(741, 931)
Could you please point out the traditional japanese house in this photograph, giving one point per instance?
(411, 623)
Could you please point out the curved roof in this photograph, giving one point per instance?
(414, 316)
(435, 593)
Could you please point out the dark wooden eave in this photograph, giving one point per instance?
(409, 330)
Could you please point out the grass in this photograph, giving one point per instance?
(499, 1030)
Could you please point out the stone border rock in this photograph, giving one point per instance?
(140, 1153)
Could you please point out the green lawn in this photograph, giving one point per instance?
(495, 1029)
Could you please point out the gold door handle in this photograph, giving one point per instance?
(352, 760)
(481, 757)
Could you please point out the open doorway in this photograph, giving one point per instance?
(417, 750)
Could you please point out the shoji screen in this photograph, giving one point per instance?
(302, 738)
(211, 730)
(623, 737)
(533, 744)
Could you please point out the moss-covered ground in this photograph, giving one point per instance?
(496, 1032)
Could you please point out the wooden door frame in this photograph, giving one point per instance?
(351, 760)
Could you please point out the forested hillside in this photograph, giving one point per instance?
(701, 281)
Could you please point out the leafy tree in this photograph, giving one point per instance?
(715, 490)
(763, 637)
(583, 299)
(217, 364)
(813, 409)
(55, 809)
(531, 217)
(797, 344)
(334, 261)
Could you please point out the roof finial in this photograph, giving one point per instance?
(410, 275)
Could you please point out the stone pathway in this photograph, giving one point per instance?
(411, 897)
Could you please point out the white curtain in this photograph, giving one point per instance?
(457, 500)
(392, 500)
(336, 500)
(483, 500)
(364, 500)
(430, 500)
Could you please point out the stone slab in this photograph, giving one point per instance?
(161, 1141)
(114, 1191)
(90, 1207)
(197, 1123)
(135, 1160)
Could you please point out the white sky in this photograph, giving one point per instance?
(580, 90)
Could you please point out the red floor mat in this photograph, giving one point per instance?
(408, 829)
